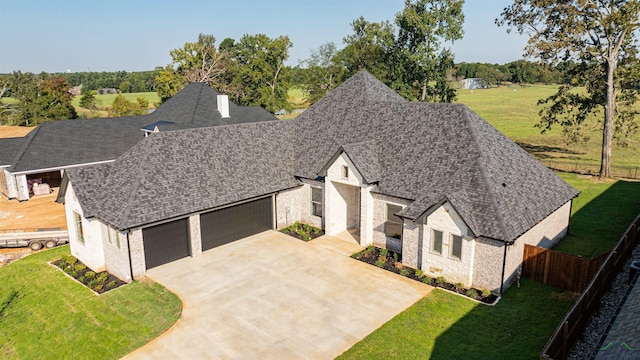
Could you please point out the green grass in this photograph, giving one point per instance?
(53, 317)
(514, 111)
(107, 99)
(600, 214)
(447, 326)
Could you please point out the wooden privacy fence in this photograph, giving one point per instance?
(558, 269)
(572, 326)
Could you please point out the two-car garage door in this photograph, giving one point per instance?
(233, 223)
(169, 242)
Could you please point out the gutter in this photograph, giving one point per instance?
(129, 251)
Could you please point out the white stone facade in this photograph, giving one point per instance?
(295, 205)
(89, 246)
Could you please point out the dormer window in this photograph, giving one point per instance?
(345, 172)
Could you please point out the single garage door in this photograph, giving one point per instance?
(166, 242)
(233, 223)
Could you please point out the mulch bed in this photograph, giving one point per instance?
(99, 282)
(298, 231)
(392, 261)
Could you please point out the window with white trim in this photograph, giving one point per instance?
(393, 225)
(345, 172)
(79, 232)
(316, 201)
(436, 242)
(456, 247)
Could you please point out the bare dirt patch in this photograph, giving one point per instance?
(14, 131)
(38, 212)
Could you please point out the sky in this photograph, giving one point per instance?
(136, 35)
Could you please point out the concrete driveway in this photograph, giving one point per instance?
(270, 296)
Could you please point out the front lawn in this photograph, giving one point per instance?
(447, 326)
(46, 315)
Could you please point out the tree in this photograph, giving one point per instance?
(423, 26)
(123, 107)
(601, 36)
(322, 73)
(261, 76)
(198, 61)
(88, 101)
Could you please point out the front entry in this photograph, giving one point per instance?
(345, 208)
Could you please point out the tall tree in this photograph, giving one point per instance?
(261, 73)
(322, 73)
(601, 36)
(198, 61)
(423, 26)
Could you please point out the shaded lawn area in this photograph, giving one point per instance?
(447, 326)
(46, 315)
(600, 214)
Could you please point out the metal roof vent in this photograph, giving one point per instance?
(223, 105)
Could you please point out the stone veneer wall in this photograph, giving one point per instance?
(380, 217)
(90, 252)
(138, 263)
(116, 252)
(546, 234)
(295, 205)
(488, 264)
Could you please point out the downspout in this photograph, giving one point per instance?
(504, 265)
(129, 251)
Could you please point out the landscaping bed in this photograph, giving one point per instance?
(303, 231)
(100, 282)
(392, 261)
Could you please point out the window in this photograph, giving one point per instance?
(393, 225)
(345, 172)
(456, 247)
(436, 241)
(316, 201)
(117, 237)
(79, 233)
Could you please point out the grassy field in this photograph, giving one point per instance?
(514, 111)
(447, 326)
(106, 100)
(600, 214)
(46, 315)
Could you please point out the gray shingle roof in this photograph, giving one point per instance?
(59, 144)
(428, 153)
(177, 173)
(9, 147)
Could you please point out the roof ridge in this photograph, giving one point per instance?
(197, 104)
(483, 174)
(136, 183)
(31, 136)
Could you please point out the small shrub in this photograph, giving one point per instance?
(316, 230)
(395, 256)
(459, 285)
(92, 283)
(404, 272)
(111, 284)
(419, 273)
(102, 277)
(440, 280)
(68, 260)
(79, 267)
(472, 293)
(384, 252)
(306, 227)
(486, 293)
(426, 280)
(97, 288)
(380, 263)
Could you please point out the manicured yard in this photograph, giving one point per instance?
(600, 214)
(45, 315)
(447, 326)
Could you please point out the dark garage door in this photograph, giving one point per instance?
(166, 242)
(226, 225)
